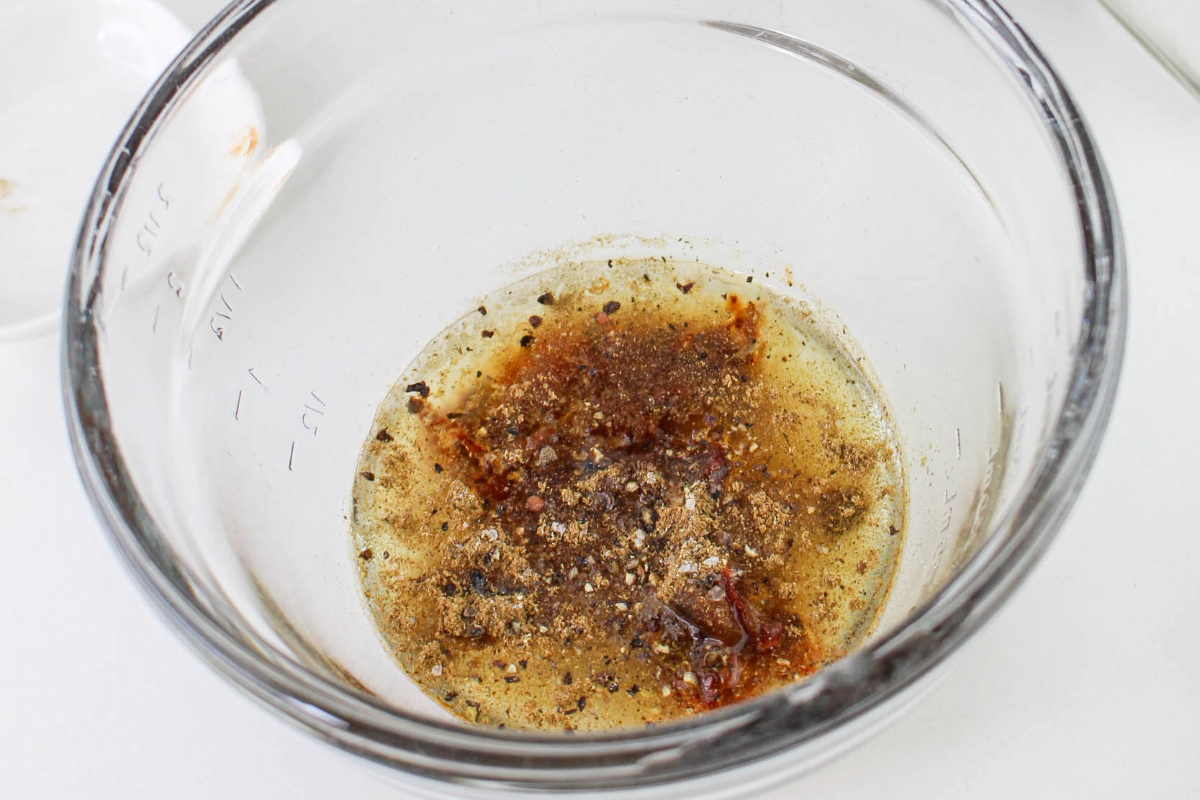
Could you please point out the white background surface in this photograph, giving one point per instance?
(1085, 685)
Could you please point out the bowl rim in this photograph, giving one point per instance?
(850, 690)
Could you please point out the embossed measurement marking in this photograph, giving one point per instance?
(310, 418)
(947, 510)
(223, 312)
(148, 233)
(309, 409)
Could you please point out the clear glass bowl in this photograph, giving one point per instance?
(312, 191)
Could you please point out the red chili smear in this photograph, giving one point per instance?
(763, 635)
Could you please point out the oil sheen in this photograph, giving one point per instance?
(623, 492)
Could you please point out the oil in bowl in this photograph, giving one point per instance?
(624, 492)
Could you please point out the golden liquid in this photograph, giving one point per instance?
(624, 492)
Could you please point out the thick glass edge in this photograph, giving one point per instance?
(843, 692)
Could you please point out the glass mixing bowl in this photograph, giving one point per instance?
(311, 192)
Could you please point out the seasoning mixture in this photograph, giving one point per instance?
(623, 492)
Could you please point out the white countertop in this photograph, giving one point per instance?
(1085, 685)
